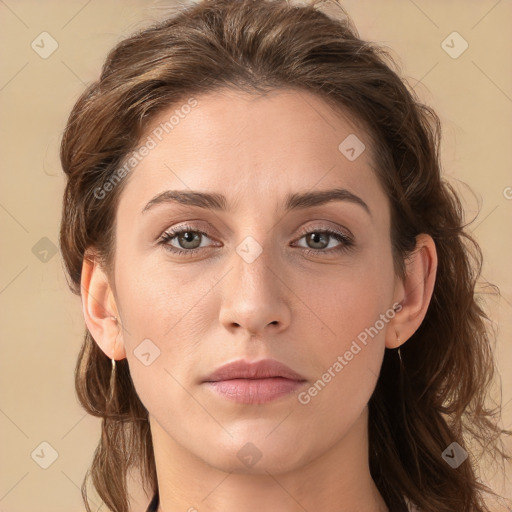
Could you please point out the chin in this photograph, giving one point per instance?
(257, 454)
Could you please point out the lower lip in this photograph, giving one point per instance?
(255, 391)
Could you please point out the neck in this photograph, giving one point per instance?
(338, 480)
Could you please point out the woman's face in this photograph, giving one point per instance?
(249, 289)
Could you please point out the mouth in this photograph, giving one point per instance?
(254, 383)
(255, 391)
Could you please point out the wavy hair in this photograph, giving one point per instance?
(438, 391)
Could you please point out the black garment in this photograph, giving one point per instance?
(153, 506)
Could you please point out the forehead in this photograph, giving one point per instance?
(252, 147)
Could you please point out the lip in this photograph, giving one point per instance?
(254, 383)
(263, 369)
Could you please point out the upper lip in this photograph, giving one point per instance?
(242, 369)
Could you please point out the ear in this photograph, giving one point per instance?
(414, 292)
(100, 310)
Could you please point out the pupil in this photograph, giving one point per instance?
(188, 238)
(315, 236)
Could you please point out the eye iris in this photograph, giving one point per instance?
(191, 234)
(314, 236)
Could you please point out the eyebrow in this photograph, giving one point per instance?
(295, 201)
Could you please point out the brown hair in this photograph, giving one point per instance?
(436, 393)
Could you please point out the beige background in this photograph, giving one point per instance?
(41, 321)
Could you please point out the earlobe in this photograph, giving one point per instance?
(99, 309)
(414, 291)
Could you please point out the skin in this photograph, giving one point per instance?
(212, 308)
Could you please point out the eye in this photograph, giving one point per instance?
(188, 238)
(187, 241)
(319, 240)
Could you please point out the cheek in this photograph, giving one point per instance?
(353, 311)
(350, 301)
(348, 352)
(160, 298)
(165, 318)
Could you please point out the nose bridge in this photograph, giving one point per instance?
(254, 295)
(254, 263)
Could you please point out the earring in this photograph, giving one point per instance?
(112, 377)
(113, 371)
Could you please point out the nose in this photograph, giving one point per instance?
(256, 297)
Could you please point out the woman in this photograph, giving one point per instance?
(276, 281)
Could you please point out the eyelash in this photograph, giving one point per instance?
(347, 242)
